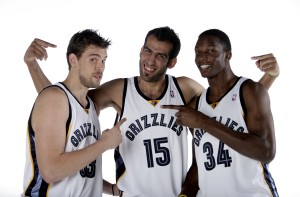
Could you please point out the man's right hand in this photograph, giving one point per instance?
(112, 137)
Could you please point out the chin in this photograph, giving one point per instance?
(94, 85)
(203, 75)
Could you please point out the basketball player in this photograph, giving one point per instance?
(234, 137)
(64, 142)
(152, 158)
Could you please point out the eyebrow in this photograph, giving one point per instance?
(159, 53)
(95, 54)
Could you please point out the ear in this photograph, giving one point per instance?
(141, 50)
(228, 56)
(172, 63)
(73, 60)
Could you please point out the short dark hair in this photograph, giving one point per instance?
(166, 34)
(82, 39)
(220, 35)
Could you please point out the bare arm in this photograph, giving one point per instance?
(269, 65)
(190, 185)
(49, 118)
(258, 144)
(37, 51)
(111, 189)
(109, 94)
(190, 88)
(107, 187)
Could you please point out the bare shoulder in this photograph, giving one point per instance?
(51, 106)
(113, 84)
(251, 87)
(189, 87)
(189, 83)
(254, 92)
(108, 87)
(52, 96)
(109, 94)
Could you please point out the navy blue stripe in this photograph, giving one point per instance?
(270, 181)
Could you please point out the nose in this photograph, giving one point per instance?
(101, 66)
(151, 59)
(201, 58)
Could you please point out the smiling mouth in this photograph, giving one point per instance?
(205, 66)
(149, 69)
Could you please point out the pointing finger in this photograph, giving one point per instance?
(44, 43)
(39, 46)
(260, 57)
(120, 122)
(178, 107)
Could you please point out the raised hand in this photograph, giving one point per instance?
(37, 50)
(268, 64)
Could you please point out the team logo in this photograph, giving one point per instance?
(214, 105)
(172, 93)
(234, 97)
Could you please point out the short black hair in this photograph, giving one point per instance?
(223, 37)
(82, 39)
(166, 34)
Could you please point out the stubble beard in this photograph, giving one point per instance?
(155, 77)
(88, 83)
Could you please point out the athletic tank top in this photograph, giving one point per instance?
(223, 171)
(82, 129)
(152, 158)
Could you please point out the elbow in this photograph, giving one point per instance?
(270, 156)
(49, 175)
(269, 153)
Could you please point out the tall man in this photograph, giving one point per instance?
(64, 141)
(234, 137)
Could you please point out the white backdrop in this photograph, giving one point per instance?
(255, 27)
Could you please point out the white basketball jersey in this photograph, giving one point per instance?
(223, 171)
(82, 129)
(152, 158)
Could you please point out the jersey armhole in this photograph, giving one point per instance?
(242, 98)
(119, 116)
(179, 90)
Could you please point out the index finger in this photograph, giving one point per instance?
(120, 122)
(178, 107)
(260, 57)
(44, 43)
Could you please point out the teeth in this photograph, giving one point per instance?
(149, 69)
(204, 66)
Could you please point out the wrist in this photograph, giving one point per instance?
(115, 190)
(273, 76)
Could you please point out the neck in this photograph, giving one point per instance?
(218, 88)
(78, 91)
(152, 90)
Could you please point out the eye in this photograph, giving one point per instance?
(161, 57)
(146, 50)
(211, 50)
(103, 61)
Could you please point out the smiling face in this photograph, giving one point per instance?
(154, 59)
(91, 66)
(210, 56)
